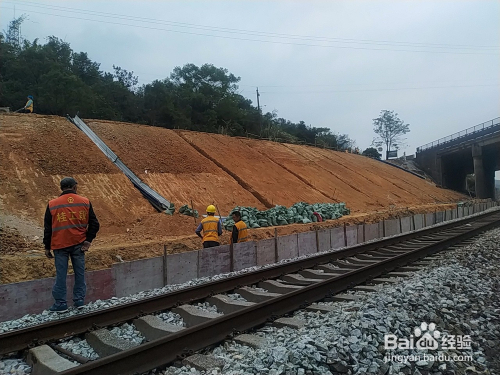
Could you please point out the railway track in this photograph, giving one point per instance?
(289, 286)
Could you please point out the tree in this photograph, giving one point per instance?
(390, 130)
(372, 152)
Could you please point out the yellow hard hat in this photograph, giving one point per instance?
(211, 209)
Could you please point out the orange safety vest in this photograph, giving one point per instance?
(210, 229)
(242, 231)
(70, 217)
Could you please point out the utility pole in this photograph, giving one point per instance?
(258, 109)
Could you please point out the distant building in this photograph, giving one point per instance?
(497, 189)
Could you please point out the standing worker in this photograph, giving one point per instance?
(28, 108)
(212, 228)
(70, 225)
(240, 230)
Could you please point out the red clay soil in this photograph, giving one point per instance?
(37, 151)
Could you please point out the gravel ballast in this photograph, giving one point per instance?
(459, 294)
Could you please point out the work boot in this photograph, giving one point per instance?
(79, 304)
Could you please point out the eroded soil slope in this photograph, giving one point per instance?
(37, 151)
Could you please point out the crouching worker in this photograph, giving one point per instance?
(211, 227)
(70, 225)
(240, 230)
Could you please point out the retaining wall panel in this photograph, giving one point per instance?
(418, 221)
(139, 275)
(372, 232)
(214, 260)
(460, 212)
(337, 237)
(429, 219)
(361, 233)
(324, 240)
(34, 296)
(439, 217)
(391, 227)
(406, 224)
(448, 215)
(351, 234)
(244, 255)
(287, 247)
(266, 252)
(307, 243)
(182, 267)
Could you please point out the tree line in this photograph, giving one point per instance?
(202, 98)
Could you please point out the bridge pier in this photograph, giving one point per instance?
(484, 173)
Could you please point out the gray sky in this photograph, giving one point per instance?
(436, 63)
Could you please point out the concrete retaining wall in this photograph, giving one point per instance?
(307, 243)
(127, 278)
(244, 255)
(406, 224)
(418, 221)
(266, 252)
(372, 231)
(391, 227)
(34, 296)
(213, 261)
(182, 267)
(324, 240)
(133, 277)
(287, 247)
(337, 237)
(351, 235)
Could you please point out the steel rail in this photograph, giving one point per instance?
(162, 351)
(31, 336)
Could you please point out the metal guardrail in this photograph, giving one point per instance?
(156, 200)
(461, 134)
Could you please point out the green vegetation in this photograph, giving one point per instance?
(372, 152)
(390, 131)
(202, 98)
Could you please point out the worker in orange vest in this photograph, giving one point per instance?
(240, 230)
(211, 227)
(70, 225)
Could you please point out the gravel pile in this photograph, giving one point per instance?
(14, 366)
(205, 306)
(457, 297)
(236, 297)
(128, 332)
(79, 346)
(172, 318)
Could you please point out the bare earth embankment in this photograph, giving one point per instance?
(37, 151)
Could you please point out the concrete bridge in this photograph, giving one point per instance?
(475, 150)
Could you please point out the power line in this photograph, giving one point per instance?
(368, 84)
(380, 89)
(250, 32)
(487, 51)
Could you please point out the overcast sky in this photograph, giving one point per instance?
(334, 64)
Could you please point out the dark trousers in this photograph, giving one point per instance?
(61, 258)
(210, 244)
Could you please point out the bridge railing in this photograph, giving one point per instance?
(461, 134)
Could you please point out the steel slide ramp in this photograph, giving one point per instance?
(156, 200)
